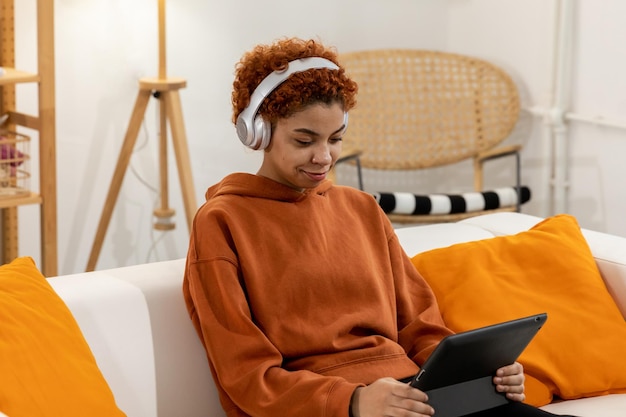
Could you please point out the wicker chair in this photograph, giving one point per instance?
(420, 109)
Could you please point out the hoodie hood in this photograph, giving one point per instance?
(250, 185)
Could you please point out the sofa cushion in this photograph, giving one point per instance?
(607, 249)
(47, 366)
(549, 268)
(599, 406)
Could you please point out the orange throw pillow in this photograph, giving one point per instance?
(46, 366)
(580, 350)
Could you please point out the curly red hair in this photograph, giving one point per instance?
(300, 89)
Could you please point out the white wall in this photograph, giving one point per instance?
(104, 46)
(520, 35)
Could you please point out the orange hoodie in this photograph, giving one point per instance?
(299, 298)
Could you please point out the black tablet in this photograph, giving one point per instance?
(458, 375)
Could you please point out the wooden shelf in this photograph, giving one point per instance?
(43, 122)
(13, 76)
(22, 200)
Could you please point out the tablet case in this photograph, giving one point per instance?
(458, 375)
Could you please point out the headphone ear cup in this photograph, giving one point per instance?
(262, 133)
(243, 131)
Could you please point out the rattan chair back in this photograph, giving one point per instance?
(419, 109)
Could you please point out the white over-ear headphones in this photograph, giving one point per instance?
(252, 129)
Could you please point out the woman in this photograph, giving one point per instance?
(299, 289)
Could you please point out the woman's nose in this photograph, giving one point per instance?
(322, 155)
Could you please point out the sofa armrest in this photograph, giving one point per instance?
(113, 318)
(610, 254)
(135, 321)
(608, 250)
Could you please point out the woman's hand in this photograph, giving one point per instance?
(389, 397)
(510, 380)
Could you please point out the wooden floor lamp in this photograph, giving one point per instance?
(166, 91)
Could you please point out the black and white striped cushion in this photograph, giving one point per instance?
(409, 203)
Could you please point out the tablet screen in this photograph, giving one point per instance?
(477, 353)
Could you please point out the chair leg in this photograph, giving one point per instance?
(518, 185)
(359, 173)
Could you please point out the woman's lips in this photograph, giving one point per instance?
(315, 176)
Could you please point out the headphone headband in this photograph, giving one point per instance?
(251, 129)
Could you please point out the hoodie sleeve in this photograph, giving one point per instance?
(246, 366)
(420, 325)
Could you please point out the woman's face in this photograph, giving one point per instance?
(305, 146)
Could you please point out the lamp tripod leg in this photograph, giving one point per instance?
(163, 213)
(183, 161)
(120, 170)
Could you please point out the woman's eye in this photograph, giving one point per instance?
(303, 142)
(335, 140)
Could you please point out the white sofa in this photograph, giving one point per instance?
(135, 321)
